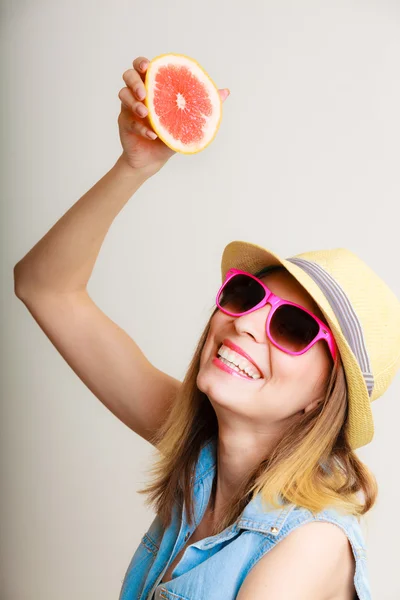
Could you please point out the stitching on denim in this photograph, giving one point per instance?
(260, 526)
(265, 523)
(202, 499)
(164, 591)
(154, 556)
(149, 544)
(284, 514)
(266, 527)
(221, 537)
(203, 475)
(207, 470)
(358, 550)
(152, 540)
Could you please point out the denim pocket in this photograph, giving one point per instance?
(139, 566)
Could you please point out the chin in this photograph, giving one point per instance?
(228, 394)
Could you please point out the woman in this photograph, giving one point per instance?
(258, 492)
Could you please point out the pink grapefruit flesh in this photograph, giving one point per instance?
(185, 108)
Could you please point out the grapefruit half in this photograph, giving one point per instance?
(185, 108)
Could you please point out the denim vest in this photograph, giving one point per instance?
(215, 567)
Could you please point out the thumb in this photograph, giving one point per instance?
(224, 94)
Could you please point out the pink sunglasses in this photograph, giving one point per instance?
(290, 327)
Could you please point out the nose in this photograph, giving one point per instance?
(254, 322)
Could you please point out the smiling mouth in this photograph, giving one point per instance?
(244, 368)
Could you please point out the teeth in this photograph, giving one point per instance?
(233, 359)
(235, 368)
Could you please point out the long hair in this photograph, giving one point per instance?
(312, 466)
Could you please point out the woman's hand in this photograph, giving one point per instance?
(139, 151)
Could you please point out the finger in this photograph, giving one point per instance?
(136, 125)
(140, 129)
(224, 94)
(135, 83)
(127, 98)
(137, 63)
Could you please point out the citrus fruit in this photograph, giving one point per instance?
(185, 108)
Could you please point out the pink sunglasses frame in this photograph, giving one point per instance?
(324, 332)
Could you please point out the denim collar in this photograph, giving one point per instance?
(255, 516)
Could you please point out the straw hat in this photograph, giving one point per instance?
(361, 310)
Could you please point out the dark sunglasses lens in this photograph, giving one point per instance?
(293, 328)
(240, 294)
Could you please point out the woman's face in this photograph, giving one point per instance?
(288, 385)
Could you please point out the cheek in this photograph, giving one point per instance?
(295, 380)
(308, 367)
(210, 346)
(214, 336)
(310, 377)
(283, 366)
(207, 352)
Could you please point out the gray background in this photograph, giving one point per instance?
(307, 157)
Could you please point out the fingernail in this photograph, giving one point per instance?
(142, 110)
(143, 64)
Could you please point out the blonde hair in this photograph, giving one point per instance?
(312, 466)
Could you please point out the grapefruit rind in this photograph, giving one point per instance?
(212, 123)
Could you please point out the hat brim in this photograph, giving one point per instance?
(252, 258)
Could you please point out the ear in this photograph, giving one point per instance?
(312, 405)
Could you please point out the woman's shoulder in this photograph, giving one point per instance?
(353, 525)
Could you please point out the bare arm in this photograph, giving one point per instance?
(63, 260)
(51, 281)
